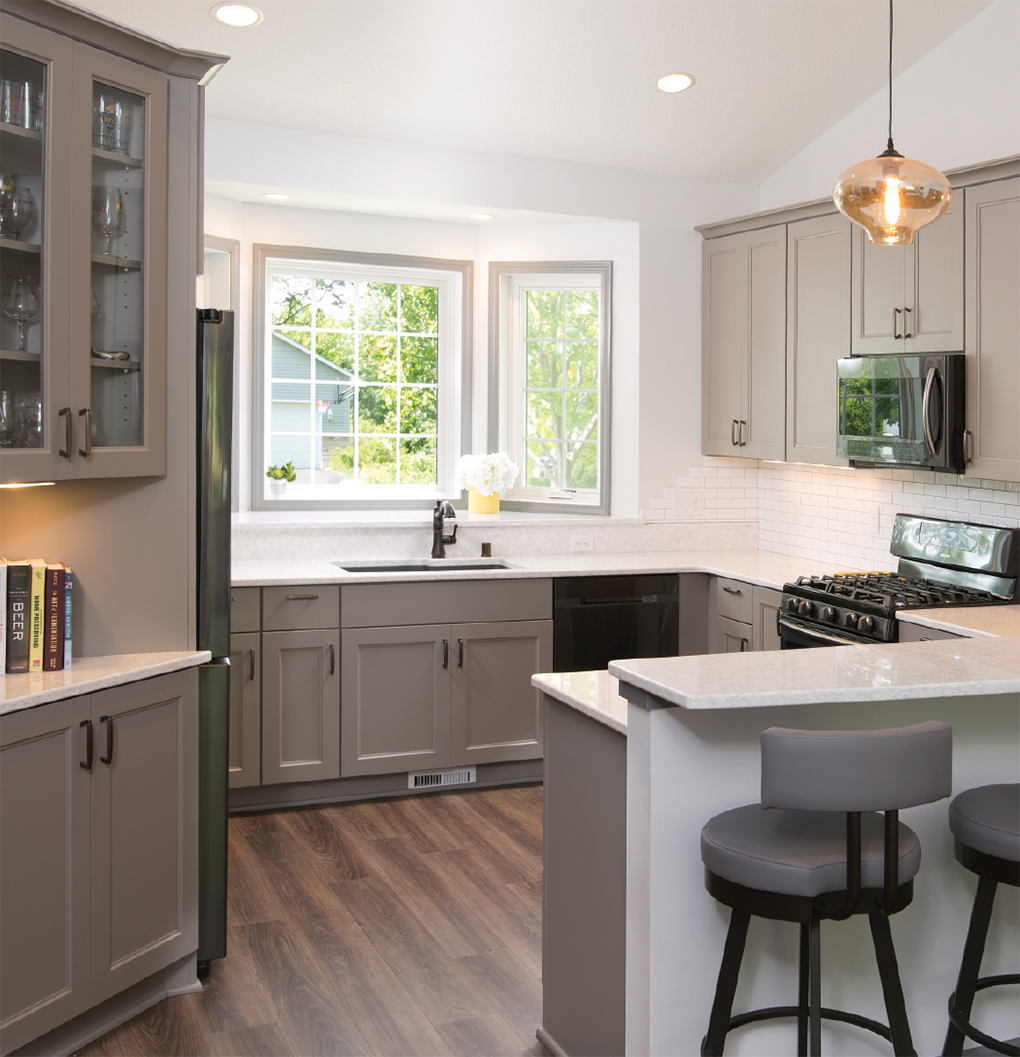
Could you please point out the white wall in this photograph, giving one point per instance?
(663, 423)
(957, 106)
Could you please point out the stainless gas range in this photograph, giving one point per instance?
(941, 563)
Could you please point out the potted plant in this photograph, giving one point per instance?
(279, 476)
(485, 476)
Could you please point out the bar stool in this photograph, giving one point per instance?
(986, 824)
(815, 848)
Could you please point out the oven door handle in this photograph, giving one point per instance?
(823, 638)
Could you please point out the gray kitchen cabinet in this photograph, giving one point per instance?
(817, 334)
(97, 416)
(766, 604)
(992, 339)
(244, 753)
(909, 299)
(744, 344)
(419, 695)
(742, 616)
(909, 632)
(99, 849)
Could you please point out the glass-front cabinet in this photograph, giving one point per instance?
(83, 155)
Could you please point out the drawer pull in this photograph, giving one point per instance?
(301, 598)
(732, 590)
(108, 720)
(86, 764)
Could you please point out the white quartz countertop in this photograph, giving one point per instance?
(89, 674)
(896, 672)
(596, 694)
(971, 621)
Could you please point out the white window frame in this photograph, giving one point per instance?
(454, 413)
(509, 281)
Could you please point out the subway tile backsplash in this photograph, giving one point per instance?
(827, 513)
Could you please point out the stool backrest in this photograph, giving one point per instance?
(856, 770)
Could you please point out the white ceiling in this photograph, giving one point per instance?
(563, 79)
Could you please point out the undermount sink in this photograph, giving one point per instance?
(425, 565)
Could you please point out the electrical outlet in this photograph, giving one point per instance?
(582, 542)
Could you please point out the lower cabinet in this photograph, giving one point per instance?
(766, 604)
(742, 617)
(245, 747)
(98, 848)
(918, 633)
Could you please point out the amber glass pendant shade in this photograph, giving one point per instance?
(892, 197)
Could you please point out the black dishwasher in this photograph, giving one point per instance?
(598, 619)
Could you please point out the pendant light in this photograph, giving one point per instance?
(890, 196)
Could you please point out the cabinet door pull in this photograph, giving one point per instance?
(251, 664)
(108, 720)
(86, 764)
(896, 324)
(460, 653)
(87, 450)
(907, 333)
(734, 426)
(968, 446)
(732, 590)
(332, 659)
(446, 653)
(65, 451)
(301, 598)
(740, 432)
(743, 645)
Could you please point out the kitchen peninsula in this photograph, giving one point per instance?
(691, 738)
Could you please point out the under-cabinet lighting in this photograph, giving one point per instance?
(28, 484)
(675, 82)
(275, 196)
(237, 15)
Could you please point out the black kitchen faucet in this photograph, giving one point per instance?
(444, 509)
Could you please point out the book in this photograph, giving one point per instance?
(3, 615)
(19, 589)
(53, 619)
(68, 580)
(36, 612)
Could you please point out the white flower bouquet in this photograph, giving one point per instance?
(486, 474)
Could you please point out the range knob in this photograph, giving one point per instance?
(850, 620)
(791, 605)
(805, 608)
(866, 624)
(829, 614)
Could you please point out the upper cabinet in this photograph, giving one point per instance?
(992, 341)
(89, 160)
(909, 299)
(743, 344)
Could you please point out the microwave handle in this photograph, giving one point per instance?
(929, 385)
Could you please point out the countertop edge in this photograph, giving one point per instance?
(599, 689)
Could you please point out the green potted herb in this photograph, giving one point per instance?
(279, 476)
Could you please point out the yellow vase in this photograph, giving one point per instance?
(482, 504)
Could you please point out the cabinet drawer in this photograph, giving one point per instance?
(244, 609)
(301, 607)
(450, 602)
(733, 599)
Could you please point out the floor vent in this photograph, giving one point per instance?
(434, 781)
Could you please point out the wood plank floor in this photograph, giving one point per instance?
(391, 927)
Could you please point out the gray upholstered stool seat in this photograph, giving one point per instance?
(799, 853)
(987, 819)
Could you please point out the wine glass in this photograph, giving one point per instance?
(20, 302)
(107, 213)
(18, 211)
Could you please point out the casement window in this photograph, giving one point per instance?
(549, 381)
(362, 377)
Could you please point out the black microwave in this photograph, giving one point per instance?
(903, 411)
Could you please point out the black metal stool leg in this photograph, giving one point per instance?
(815, 943)
(803, 994)
(888, 970)
(970, 966)
(726, 986)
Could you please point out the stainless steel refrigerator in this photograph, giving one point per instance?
(215, 359)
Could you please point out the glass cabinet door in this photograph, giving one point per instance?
(33, 255)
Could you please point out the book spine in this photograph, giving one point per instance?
(53, 632)
(68, 580)
(36, 618)
(3, 616)
(18, 600)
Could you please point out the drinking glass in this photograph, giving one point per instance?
(18, 212)
(20, 303)
(107, 213)
(7, 190)
(7, 431)
(28, 419)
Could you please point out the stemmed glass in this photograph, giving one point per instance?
(20, 303)
(107, 213)
(18, 211)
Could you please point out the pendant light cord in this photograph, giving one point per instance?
(890, 146)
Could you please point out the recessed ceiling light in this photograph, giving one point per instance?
(480, 216)
(275, 196)
(232, 14)
(675, 82)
